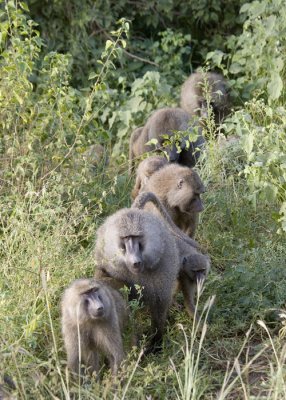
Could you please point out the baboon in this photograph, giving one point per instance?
(179, 188)
(134, 246)
(194, 265)
(134, 147)
(6, 387)
(194, 268)
(194, 95)
(148, 197)
(93, 316)
(166, 122)
(95, 155)
(145, 169)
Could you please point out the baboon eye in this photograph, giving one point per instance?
(180, 183)
(140, 246)
(184, 260)
(122, 247)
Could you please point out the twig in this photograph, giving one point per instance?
(101, 29)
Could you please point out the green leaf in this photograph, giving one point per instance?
(275, 86)
(152, 141)
(235, 68)
(92, 75)
(245, 8)
(108, 44)
(270, 192)
(247, 142)
(24, 6)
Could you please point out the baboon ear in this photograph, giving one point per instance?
(180, 183)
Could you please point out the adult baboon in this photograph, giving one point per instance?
(133, 246)
(161, 125)
(93, 316)
(145, 169)
(179, 189)
(203, 90)
(194, 265)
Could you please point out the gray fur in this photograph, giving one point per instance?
(193, 98)
(98, 336)
(176, 187)
(164, 122)
(160, 260)
(193, 264)
(145, 169)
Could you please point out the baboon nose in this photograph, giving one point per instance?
(137, 265)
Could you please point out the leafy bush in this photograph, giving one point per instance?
(256, 58)
(81, 28)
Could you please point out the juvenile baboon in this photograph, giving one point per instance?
(179, 189)
(135, 247)
(166, 122)
(194, 97)
(194, 265)
(145, 169)
(93, 316)
(95, 155)
(194, 268)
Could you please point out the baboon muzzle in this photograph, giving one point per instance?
(133, 254)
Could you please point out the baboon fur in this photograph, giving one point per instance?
(95, 156)
(194, 265)
(179, 189)
(98, 313)
(134, 147)
(152, 262)
(145, 169)
(162, 122)
(194, 98)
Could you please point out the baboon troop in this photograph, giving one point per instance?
(204, 91)
(150, 245)
(93, 317)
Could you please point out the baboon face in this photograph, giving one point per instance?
(218, 101)
(186, 193)
(131, 248)
(196, 272)
(169, 148)
(96, 303)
